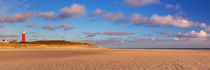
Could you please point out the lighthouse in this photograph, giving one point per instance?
(23, 36)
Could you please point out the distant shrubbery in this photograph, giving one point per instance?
(60, 42)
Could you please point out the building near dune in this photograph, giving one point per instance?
(15, 41)
(5, 41)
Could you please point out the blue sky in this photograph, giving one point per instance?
(109, 23)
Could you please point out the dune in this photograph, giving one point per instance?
(48, 44)
(105, 59)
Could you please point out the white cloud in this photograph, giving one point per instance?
(117, 33)
(207, 28)
(193, 34)
(74, 11)
(16, 17)
(140, 2)
(166, 33)
(173, 6)
(155, 19)
(111, 33)
(202, 25)
(97, 12)
(46, 15)
(64, 26)
(7, 36)
(136, 19)
(172, 21)
(31, 25)
(113, 16)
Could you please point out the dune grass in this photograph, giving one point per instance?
(47, 44)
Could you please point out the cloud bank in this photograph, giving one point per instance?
(31, 25)
(113, 16)
(193, 34)
(136, 19)
(172, 21)
(62, 26)
(47, 15)
(74, 11)
(18, 17)
(97, 12)
(110, 33)
(6, 36)
(134, 3)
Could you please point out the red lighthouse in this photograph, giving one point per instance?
(23, 36)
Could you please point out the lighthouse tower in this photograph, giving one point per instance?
(23, 36)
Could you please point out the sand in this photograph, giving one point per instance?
(114, 59)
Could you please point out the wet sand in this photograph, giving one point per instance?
(114, 59)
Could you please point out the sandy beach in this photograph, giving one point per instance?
(113, 59)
